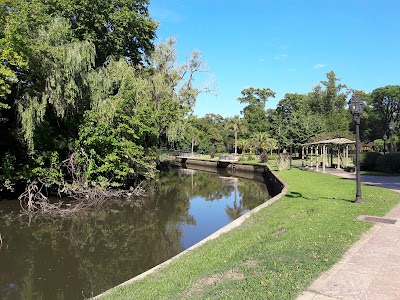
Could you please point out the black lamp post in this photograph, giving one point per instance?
(384, 143)
(391, 128)
(356, 108)
(291, 143)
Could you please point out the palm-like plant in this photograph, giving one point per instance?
(243, 144)
(263, 143)
(235, 211)
(236, 124)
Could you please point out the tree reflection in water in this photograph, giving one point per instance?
(91, 252)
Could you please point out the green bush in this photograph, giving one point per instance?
(251, 157)
(368, 160)
(242, 158)
(272, 156)
(389, 163)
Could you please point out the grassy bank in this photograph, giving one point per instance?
(277, 252)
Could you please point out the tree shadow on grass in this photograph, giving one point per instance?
(300, 195)
(296, 195)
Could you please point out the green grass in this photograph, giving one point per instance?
(276, 253)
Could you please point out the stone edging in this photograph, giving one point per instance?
(226, 228)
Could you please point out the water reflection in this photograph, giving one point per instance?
(84, 255)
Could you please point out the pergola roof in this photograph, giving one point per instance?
(337, 141)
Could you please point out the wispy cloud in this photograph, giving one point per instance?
(318, 66)
(281, 57)
(261, 59)
(292, 70)
(166, 15)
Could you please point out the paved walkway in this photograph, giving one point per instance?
(370, 270)
(389, 182)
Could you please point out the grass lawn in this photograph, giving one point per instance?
(276, 253)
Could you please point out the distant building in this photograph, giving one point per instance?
(368, 147)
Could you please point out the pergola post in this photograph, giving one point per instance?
(317, 158)
(339, 158)
(307, 157)
(302, 156)
(323, 158)
(311, 156)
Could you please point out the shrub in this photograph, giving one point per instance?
(282, 162)
(368, 160)
(389, 163)
(272, 156)
(251, 157)
(242, 158)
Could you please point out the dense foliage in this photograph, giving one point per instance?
(84, 78)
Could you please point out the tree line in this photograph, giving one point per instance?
(87, 97)
(320, 114)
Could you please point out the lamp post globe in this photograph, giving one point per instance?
(356, 109)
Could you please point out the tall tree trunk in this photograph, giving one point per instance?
(235, 142)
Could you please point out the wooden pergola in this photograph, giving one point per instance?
(319, 151)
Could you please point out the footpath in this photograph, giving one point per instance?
(370, 270)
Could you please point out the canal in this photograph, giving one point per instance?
(84, 255)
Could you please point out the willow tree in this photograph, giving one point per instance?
(64, 65)
(49, 46)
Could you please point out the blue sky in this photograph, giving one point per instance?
(287, 46)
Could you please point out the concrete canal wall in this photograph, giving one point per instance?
(257, 172)
(276, 188)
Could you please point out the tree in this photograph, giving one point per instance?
(243, 144)
(192, 135)
(119, 28)
(328, 100)
(49, 48)
(290, 104)
(263, 143)
(386, 103)
(237, 125)
(294, 119)
(173, 89)
(380, 143)
(211, 133)
(254, 113)
(256, 96)
(176, 134)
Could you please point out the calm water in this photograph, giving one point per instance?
(85, 255)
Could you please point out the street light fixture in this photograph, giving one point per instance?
(384, 143)
(356, 109)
